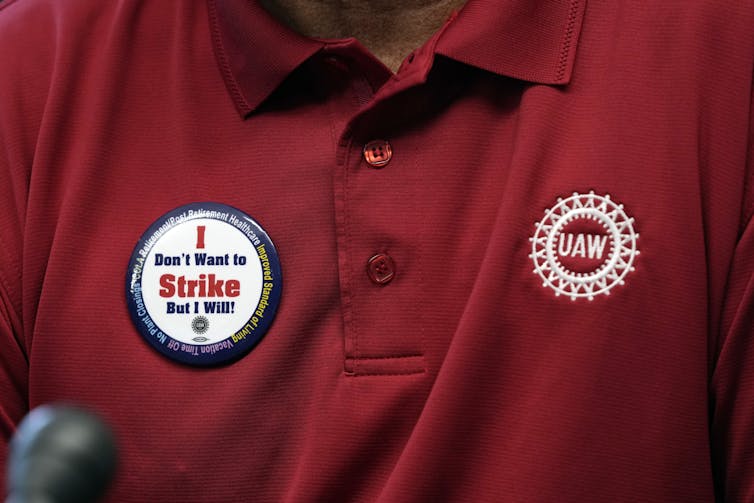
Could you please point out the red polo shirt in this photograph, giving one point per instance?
(545, 293)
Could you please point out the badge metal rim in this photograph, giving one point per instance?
(240, 348)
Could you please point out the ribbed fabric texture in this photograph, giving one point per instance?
(497, 365)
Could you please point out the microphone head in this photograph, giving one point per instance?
(60, 454)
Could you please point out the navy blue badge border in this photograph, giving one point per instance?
(156, 337)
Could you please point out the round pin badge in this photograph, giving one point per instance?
(203, 284)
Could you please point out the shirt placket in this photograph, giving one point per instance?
(379, 230)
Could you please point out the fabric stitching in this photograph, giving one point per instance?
(388, 374)
(567, 40)
(346, 223)
(395, 357)
(222, 58)
(419, 368)
(419, 304)
(348, 313)
(345, 300)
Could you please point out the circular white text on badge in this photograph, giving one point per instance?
(204, 283)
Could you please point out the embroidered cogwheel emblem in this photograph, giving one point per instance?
(584, 246)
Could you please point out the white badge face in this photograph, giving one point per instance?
(216, 282)
(584, 246)
(203, 284)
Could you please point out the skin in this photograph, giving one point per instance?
(390, 29)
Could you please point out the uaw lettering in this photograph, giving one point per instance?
(582, 245)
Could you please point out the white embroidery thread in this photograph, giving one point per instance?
(551, 245)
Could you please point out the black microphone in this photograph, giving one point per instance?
(60, 454)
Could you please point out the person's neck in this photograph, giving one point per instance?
(390, 29)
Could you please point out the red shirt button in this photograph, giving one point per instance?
(381, 269)
(377, 153)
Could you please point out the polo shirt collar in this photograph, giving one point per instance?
(532, 40)
(254, 51)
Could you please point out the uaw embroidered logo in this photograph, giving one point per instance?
(584, 246)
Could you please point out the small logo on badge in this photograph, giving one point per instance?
(584, 246)
(199, 325)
